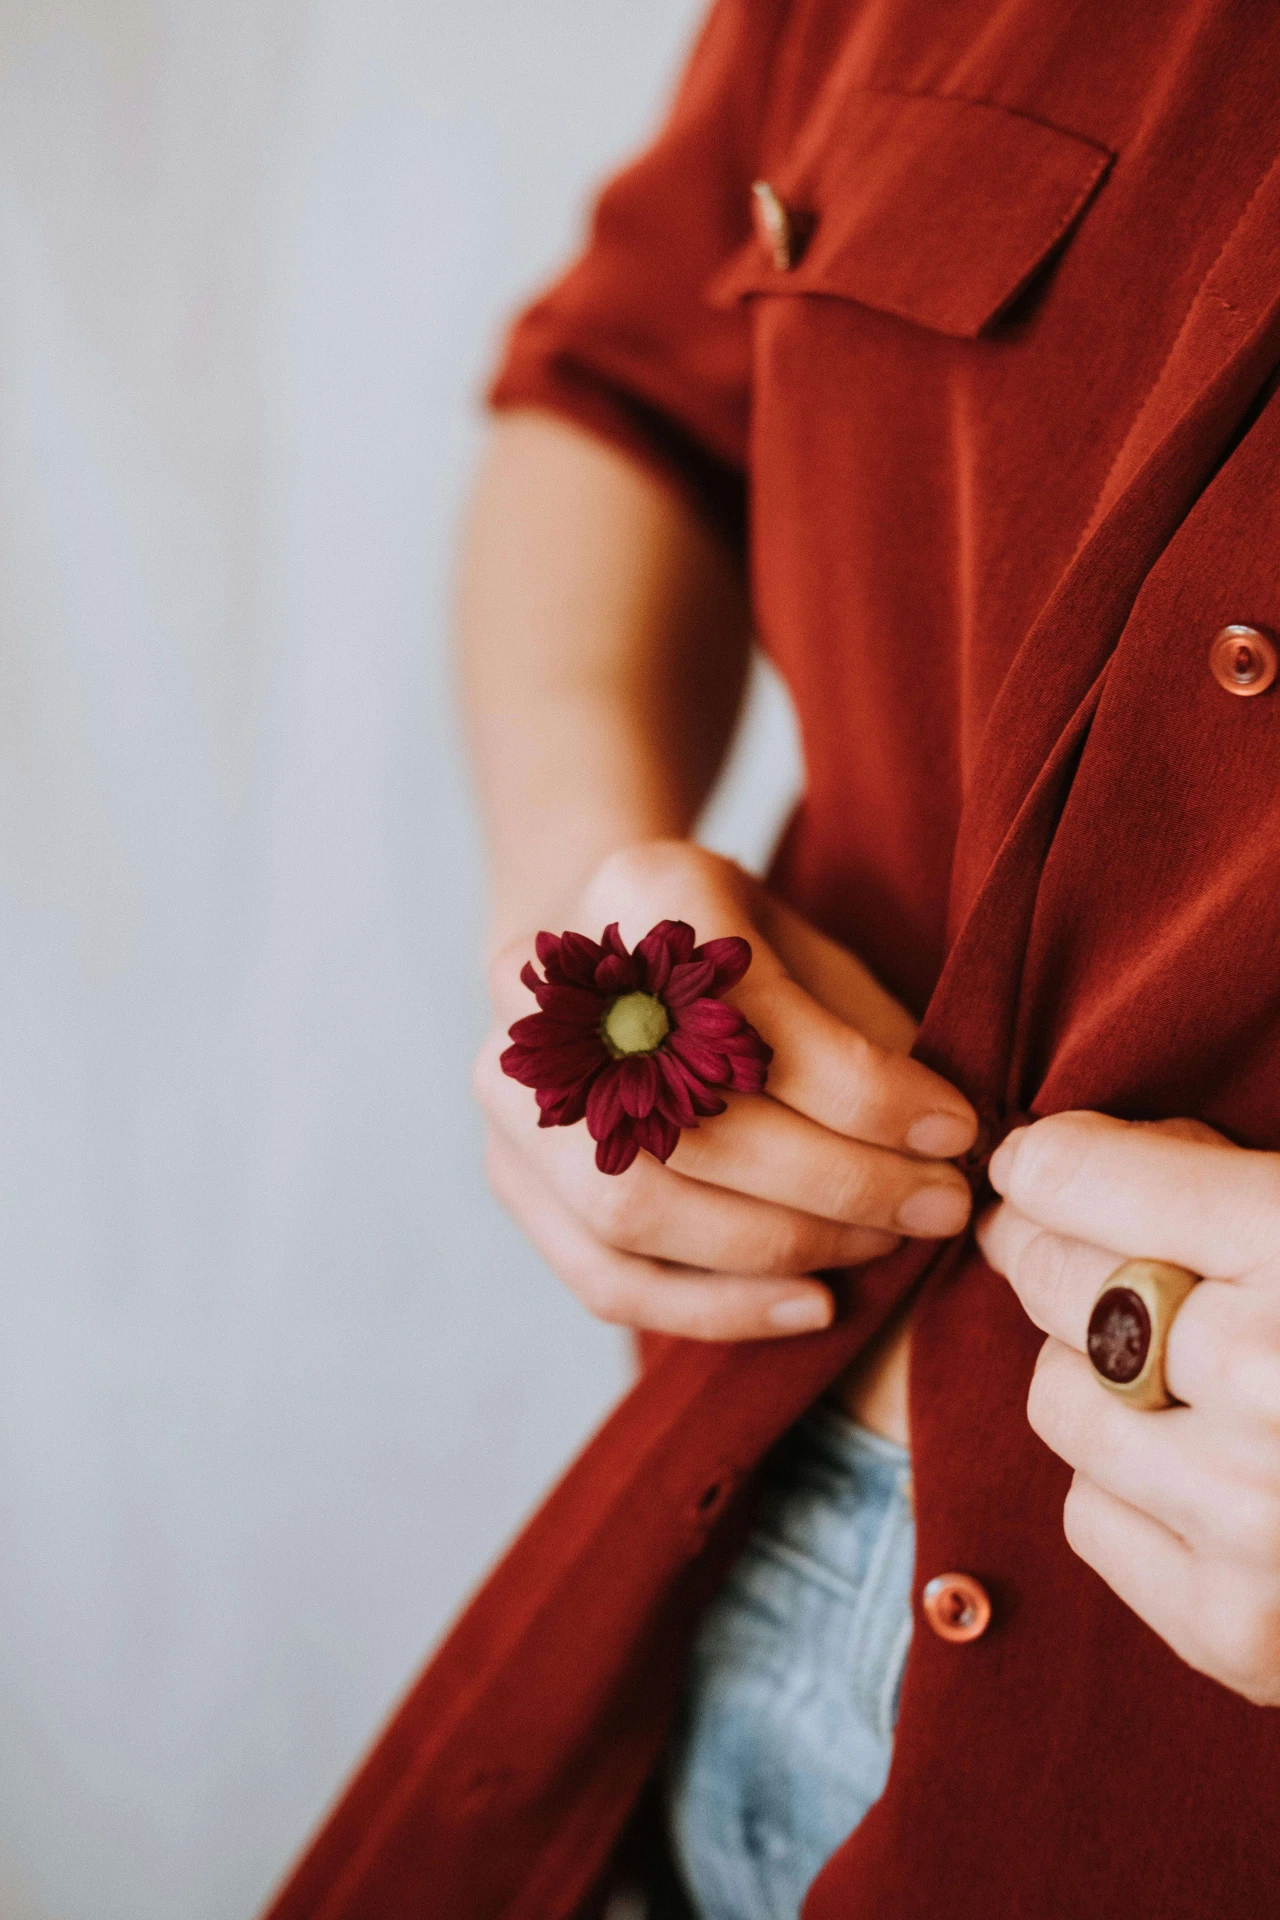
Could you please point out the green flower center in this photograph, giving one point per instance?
(635, 1023)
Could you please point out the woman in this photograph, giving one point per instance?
(939, 342)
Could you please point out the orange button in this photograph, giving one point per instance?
(957, 1607)
(1243, 660)
(773, 225)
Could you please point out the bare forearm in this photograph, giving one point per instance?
(604, 638)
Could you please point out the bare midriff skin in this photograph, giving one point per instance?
(874, 1389)
(605, 639)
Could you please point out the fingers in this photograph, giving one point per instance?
(647, 1294)
(1148, 1191)
(1056, 1278)
(756, 1152)
(656, 1211)
(849, 1082)
(759, 1146)
(1223, 1352)
(1224, 1620)
(843, 1157)
(834, 976)
(1177, 1468)
(1223, 1355)
(846, 1081)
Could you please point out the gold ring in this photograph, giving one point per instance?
(1129, 1330)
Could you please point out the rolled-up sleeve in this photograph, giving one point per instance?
(625, 344)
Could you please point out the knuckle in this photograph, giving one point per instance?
(1244, 1634)
(768, 1239)
(850, 1190)
(1038, 1265)
(1230, 1350)
(617, 1212)
(857, 1082)
(637, 873)
(1254, 1522)
(1044, 1399)
(1054, 1412)
(798, 1245)
(1049, 1160)
(1206, 1323)
(599, 1288)
(1075, 1520)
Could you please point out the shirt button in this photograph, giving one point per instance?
(773, 225)
(1243, 660)
(957, 1607)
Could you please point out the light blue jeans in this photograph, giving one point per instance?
(787, 1728)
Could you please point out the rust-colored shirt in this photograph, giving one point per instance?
(986, 402)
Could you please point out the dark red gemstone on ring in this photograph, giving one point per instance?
(1119, 1335)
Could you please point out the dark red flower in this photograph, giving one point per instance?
(636, 1043)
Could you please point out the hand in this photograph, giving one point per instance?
(1179, 1511)
(839, 1158)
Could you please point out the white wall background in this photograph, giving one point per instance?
(276, 1378)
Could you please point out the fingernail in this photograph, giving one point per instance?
(940, 1135)
(934, 1212)
(802, 1313)
(1001, 1167)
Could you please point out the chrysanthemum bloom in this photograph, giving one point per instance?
(637, 1043)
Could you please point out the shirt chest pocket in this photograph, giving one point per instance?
(939, 211)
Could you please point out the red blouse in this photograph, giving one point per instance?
(985, 398)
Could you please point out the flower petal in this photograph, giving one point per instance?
(578, 958)
(554, 1042)
(618, 1149)
(703, 1062)
(563, 1109)
(746, 1046)
(604, 1108)
(541, 1030)
(638, 1084)
(657, 1135)
(577, 1005)
(748, 1058)
(547, 948)
(730, 957)
(675, 1098)
(747, 1073)
(702, 1097)
(689, 982)
(551, 1066)
(708, 1019)
(617, 974)
(659, 951)
(680, 939)
(645, 1099)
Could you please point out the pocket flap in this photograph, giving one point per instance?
(938, 210)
